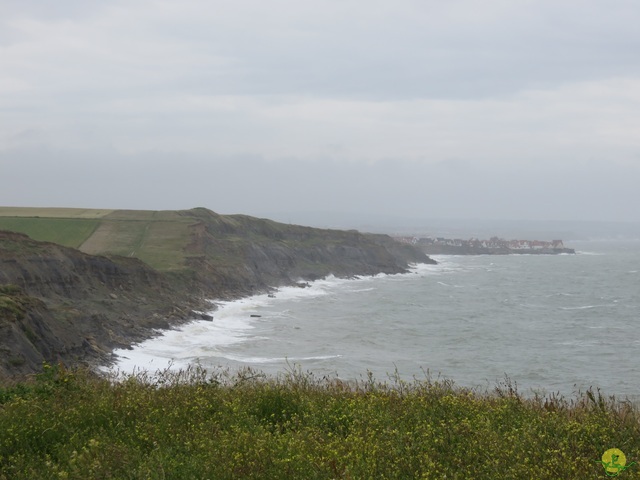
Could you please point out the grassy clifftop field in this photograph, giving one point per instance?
(68, 227)
(157, 238)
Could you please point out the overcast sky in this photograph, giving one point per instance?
(417, 108)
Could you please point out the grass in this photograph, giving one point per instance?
(158, 238)
(158, 242)
(196, 425)
(10, 308)
(53, 212)
(70, 232)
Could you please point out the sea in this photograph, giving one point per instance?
(547, 324)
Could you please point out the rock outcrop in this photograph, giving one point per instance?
(58, 304)
(235, 255)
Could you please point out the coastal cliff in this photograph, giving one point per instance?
(234, 255)
(73, 305)
(59, 304)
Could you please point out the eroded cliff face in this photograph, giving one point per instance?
(50, 270)
(236, 255)
(58, 304)
(27, 332)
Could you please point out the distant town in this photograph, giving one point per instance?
(492, 246)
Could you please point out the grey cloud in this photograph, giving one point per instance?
(48, 10)
(402, 52)
(499, 109)
(415, 57)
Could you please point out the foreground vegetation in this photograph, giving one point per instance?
(196, 425)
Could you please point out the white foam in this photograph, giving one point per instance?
(449, 285)
(265, 360)
(579, 343)
(588, 307)
(231, 324)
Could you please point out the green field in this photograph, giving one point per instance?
(53, 212)
(70, 232)
(73, 425)
(158, 238)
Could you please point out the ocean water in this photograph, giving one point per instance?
(551, 323)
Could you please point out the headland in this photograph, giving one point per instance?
(77, 283)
